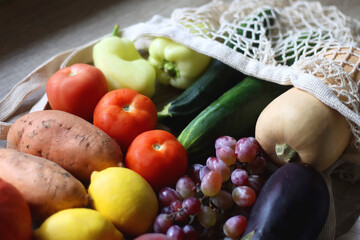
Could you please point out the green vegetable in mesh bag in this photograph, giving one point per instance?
(264, 26)
(300, 44)
(248, 33)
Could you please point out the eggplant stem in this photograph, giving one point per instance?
(285, 152)
(248, 236)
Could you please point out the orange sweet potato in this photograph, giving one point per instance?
(46, 186)
(70, 141)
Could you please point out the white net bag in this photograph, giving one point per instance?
(287, 42)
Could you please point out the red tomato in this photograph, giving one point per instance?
(124, 114)
(76, 89)
(157, 156)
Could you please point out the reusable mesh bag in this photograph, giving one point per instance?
(289, 42)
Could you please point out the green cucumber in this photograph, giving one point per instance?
(217, 79)
(234, 114)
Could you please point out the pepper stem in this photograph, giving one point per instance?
(170, 68)
(285, 152)
(115, 31)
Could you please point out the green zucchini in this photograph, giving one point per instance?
(217, 79)
(234, 114)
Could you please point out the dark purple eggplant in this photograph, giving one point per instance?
(292, 205)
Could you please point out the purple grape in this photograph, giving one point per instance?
(194, 172)
(181, 216)
(191, 205)
(225, 141)
(203, 171)
(211, 183)
(185, 186)
(258, 166)
(235, 226)
(176, 205)
(223, 200)
(216, 164)
(244, 196)
(162, 223)
(206, 217)
(175, 232)
(166, 209)
(168, 195)
(226, 154)
(246, 149)
(239, 177)
(189, 232)
(256, 182)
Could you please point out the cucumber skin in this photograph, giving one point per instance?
(234, 114)
(216, 80)
(293, 204)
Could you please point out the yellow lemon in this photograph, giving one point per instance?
(124, 197)
(77, 224)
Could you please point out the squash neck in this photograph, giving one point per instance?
(285, 152)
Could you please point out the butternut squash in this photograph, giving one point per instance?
(296, 126)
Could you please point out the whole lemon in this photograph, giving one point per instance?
(77, 224)
(124, 197)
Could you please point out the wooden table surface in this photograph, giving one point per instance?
(31, 32)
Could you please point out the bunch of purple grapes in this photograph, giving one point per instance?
(213, 200)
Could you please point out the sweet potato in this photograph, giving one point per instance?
(70, 141)
(46, 186)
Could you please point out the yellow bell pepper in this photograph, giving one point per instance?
(176, 64)
(123, 66)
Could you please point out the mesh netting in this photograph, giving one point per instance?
(304, 35)
(275, 32)
(339, 69)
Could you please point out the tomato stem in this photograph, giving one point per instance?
(127, 108)
(157, 146)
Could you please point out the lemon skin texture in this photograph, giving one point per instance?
(125, 198)
(77, 224)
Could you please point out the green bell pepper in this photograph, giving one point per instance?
(123, 66)
(176, 64)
